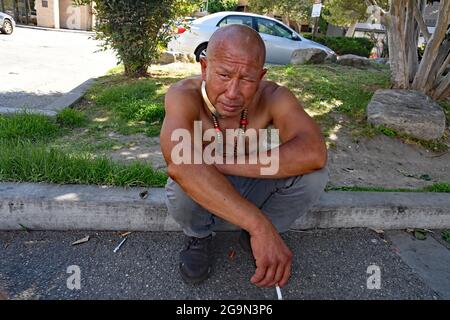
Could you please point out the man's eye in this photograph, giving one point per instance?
(223, 75)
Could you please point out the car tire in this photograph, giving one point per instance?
(7, 27)
(201, 49)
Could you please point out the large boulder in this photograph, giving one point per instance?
(353, 60)
(309, 55)
(170, 57)
(167, 57)
(407, 111)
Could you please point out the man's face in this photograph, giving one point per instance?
(232, 78)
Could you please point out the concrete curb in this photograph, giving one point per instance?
(42, 206)
(66, 100)
(57, 30)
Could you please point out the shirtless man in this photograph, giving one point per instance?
(262, 206)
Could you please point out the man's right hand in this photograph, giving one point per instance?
(273, 258)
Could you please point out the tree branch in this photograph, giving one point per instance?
(419, 19)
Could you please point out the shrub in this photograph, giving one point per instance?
(344, 45)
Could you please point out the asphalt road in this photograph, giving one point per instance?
(39, 66)
(328, 264)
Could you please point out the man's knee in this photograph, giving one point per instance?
(309, 185)
(179, 205)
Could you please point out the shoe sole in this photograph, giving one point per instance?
(190, 280)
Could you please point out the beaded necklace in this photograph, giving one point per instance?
(215, 117)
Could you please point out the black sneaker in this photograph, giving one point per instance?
(195, 260)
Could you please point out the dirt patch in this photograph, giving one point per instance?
(384, 162)
(139, 147)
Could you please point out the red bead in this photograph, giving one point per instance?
(217, 129)
(244, 122)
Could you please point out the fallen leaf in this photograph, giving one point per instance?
(24, 228)
(123, 235)
(379, 231)
(420, 234)
(425, 177)
(143, 194)
(85, 239)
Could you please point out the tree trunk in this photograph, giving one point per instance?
(351, 30)
(394, 21)
(435, 50)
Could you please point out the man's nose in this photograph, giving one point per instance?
(233, 91)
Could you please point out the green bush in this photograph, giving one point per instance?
(344, 45)
(136, 29)
(71, 118)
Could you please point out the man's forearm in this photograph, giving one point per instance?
(292, 158)
(212, 190)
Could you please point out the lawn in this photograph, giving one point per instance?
(75, 147)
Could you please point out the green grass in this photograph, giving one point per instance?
(30, 162)
(33, 127)
(329, 88)
(71, 118)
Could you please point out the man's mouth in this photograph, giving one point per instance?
(230, 108)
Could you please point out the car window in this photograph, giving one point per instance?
(272, 28)
(236, 20)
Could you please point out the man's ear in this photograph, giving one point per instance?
(203, 64)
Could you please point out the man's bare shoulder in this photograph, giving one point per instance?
(188, 89)
(274, 94)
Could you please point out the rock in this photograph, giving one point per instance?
(331, 58)
(167, 57)
(353, 60)
(380, 60)
(407, 111)
(170, 57)
(309, 55)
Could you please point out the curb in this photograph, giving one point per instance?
(43, 206)
(57, 30)
(65, 101)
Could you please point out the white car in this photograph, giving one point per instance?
(281, 41)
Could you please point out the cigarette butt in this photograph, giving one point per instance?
(120, 244)
(280, 297)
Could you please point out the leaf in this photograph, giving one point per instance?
(446, 235)
(425, 177)
(85, 239)
(24, 228)
(123, 235)
(420, 234)
(143, 194)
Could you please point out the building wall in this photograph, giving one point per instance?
(64, 15)
(45, 15)
(72, 17)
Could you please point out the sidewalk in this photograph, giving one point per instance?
(327, 264)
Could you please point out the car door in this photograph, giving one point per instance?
(278, 39)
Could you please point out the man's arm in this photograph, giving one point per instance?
(212, 190)
(303, 149)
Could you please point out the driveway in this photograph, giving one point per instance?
(38, 67)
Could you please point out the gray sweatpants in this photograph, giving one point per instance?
(282, 200)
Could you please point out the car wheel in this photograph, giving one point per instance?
(200, 52)
(7, 27)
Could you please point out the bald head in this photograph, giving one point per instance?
(237, 36)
